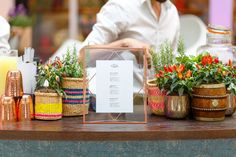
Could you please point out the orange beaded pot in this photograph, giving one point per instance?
(156, 99)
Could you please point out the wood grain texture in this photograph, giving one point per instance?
(158, 128)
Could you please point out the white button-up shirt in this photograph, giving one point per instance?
(119, 19)
(4, 34)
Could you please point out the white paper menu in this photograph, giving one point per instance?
(114, 86)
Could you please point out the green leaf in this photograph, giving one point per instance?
(181, 91)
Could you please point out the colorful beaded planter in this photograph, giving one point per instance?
(73, 101)
(48, 106)
(155, 99)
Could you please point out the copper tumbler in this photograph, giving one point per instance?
(25, 108)
(14, 86)
(8, 111)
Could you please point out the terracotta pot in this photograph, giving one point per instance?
(209, 102)
(155, 98)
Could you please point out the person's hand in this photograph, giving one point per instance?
(133, 43)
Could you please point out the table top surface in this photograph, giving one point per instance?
(157, 128)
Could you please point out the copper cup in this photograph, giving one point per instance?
(8, 111)
(14, 86)
(1, 108)
(25, 108)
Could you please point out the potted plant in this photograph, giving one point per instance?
(174, 81)
(72, 85)
(209, 94)
(230, 84)
(48, 95)
(155, 96)
(177, 81)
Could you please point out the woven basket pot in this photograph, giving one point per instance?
(72, 103)
(48, 106)
(156, 99)
(209, 102)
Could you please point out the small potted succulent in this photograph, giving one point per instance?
(209, 94)
(73, 85)
(48, 95)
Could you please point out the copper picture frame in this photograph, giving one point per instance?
(111, 118)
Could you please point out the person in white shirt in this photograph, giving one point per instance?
(135, 24)
(4, 34)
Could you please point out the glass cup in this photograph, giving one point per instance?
(8, 61)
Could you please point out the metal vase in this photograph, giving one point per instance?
(177, 107)
(231, 105)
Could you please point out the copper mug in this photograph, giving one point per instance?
(14, 86)
(25, 112)
(8, 111)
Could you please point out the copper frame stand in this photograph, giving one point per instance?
(115, 120)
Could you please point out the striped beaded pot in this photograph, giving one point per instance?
(48, 106)
(155, 99)
(72, 103)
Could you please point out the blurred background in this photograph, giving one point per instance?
(47, 24)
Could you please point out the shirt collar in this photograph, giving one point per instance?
(142, 1)
(167, 4)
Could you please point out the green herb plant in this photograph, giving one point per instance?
(164, 57)
(173, 75)
(71, 67)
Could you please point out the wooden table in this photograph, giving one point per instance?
(157, 128)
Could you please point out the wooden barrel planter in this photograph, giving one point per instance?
(156, 99)
(209, 102)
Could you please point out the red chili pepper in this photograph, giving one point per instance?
(198, 66)
(174, 67)
(216, 60)
(161, 72)
(180, 69)
(189, 73)
(166, 69)
(230, 63)
(180, 75)
(170, 68)
(207, 60)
